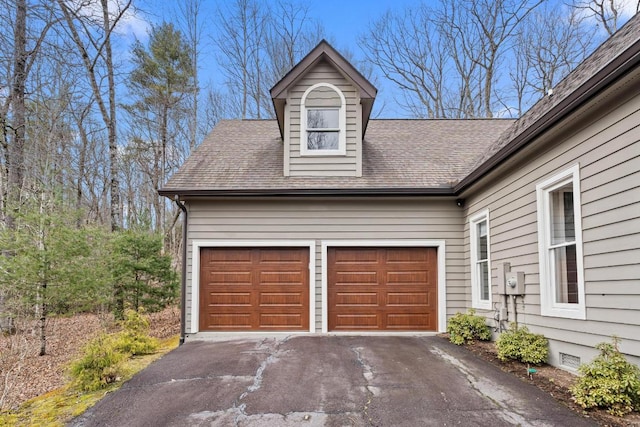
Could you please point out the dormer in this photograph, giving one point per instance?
(323, 106)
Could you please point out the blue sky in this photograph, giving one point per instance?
(343, 20)
(346, 19)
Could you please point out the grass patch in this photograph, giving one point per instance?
(59, 406)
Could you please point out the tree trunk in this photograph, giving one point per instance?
(163, 168)
(111, 125)
(41, 304)
(16, 149)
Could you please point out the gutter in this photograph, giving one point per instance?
(311, 192)
(617, 68)
(183, 284)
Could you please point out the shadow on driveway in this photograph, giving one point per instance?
(326, 381)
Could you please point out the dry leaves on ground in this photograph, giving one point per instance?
(24, 374)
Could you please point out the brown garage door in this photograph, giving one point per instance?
(253, 289)
(382, 289)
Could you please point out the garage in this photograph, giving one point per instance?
(382, 289)
(254, 289)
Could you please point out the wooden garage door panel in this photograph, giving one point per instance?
(404, 321)
(356, 278)
(359, 256)
(404, 256)
(228, 277)
(397, 292)
(281, 321)
(228, 299)
(281, 299)
(408, 298)
(225, 258)
(408, 277)
(356, 299)
(254, 289)
(281, 277)
(353, 322)
(228, 321)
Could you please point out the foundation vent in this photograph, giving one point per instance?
(569, 361)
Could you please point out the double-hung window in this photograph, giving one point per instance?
(323, 121)
(323, 128)
(480, 264)
(560, 246)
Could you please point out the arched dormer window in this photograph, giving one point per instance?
(323, 120)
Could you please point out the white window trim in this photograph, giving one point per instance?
(195, 274)
(438, 244)
(476, 302)
(342, 124)
(548, 306)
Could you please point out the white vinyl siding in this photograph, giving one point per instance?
(480, 261)
(603, 139)
(348, 162)
(325, 219)
(560, 246)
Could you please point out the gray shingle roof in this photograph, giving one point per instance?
(248, 155)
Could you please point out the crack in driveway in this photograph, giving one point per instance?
(333, 381)
(272, 347)
(367, 374)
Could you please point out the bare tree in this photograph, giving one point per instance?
(555, 43)
(15, 158)
(26, 44)
(80, 118)
(445, 59)
(608, 13)
(31, 24)
(239, 45)
(550, 43)
(290, 34)
(496, 22)
(91, 29)
(218, 105)
(408, 51)
(258, 45)
(190, 11)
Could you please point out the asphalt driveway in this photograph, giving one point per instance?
(326, 381)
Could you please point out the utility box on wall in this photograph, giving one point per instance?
(515, 283)
(510, 283)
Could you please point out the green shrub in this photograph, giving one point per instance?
(609, 381)
(100, 365)
(102, 362)
(134, 339)
(520, 344)
(142, 274)
(463, 328)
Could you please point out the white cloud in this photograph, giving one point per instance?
(629, 8)
(134, 24)
(131, 24)
(626, 9)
